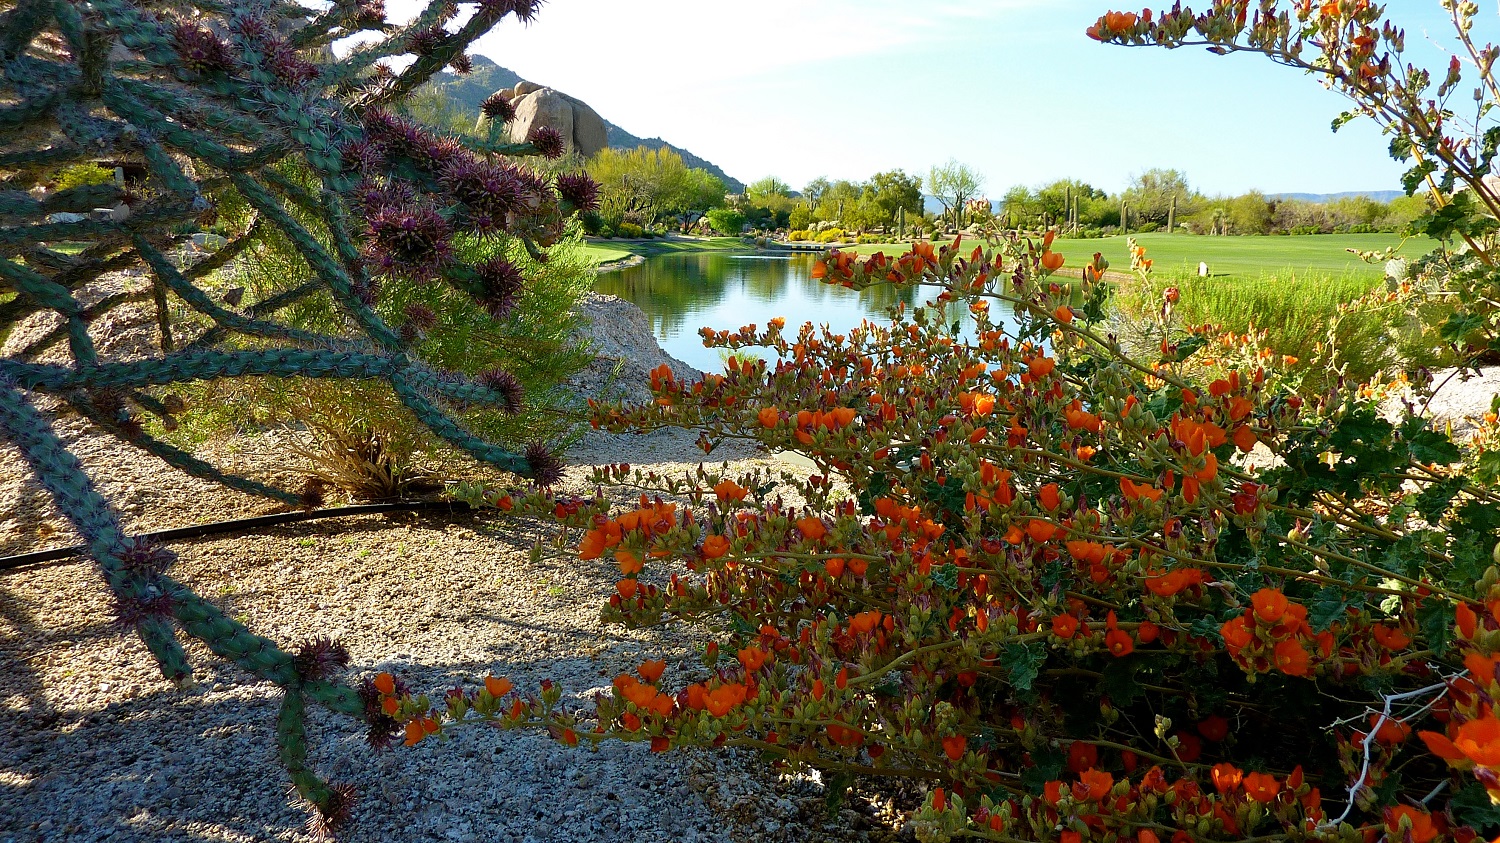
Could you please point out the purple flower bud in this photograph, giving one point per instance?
(497, 106)
(370, 14)
(413, 241)
(489, 192)
(130, 611)
(580, 191)
(462, 64)
(334, 813)
(511, 393)
(425, 42)
(144, 557)
(546, 468)
(548, 141)
(420, 320)
(201, 51)
(500, 281)
(320, 658)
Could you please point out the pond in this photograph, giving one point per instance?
(684, 292)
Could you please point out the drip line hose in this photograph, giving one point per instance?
(240, 525)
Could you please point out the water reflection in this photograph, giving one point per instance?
(682, 293)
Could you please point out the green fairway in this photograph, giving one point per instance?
(607, 251)
(1321, 255)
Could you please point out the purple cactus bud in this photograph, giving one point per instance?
(320, 658)
(289, 68)
(426, 42)
(370, 14)
(363, 156)
(413, 241)
(580, 191)
(524, 10)
(500, 282)
(145, 557)
(546, 468)
(130, 611)
(548, 141)
(334, 813)
(462, 64)
(489, 192)
(510, 390)
(312, 493)
(497, 106)
(420, 320)
(201, 51)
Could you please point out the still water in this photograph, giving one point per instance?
(682, 293)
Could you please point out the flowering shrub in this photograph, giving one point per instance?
(1043, 577)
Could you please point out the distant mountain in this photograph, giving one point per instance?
(1323, 198)
(467, 92)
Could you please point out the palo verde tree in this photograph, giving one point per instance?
(246, 104)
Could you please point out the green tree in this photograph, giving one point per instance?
(815, 189)
(768, 187)
(726, 220)
(894, 190)
(648, 184)
(954, 184)
(1251, 213)
(1151, 195)
(801, 217)
(838, 200)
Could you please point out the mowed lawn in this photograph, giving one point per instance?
(1320, 255)
(607, 251)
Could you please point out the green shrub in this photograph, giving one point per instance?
(726, 221)
(78, 175)
(629, 230)
(799, 235)
(831, 235)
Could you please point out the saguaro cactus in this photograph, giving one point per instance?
(244, 102)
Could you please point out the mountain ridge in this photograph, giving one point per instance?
(470, 90)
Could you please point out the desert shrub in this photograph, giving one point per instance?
(88, 173)
(1303, 230)
(727, 221)
(629, 230)
(799, 235)
(865, 239)
(830, 235)
(1040, 575)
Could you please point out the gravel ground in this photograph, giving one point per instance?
(96, 746)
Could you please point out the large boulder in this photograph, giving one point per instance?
(580, 125)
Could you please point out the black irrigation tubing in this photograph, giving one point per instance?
(240, 525)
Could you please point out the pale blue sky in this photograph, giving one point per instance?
(844, 88)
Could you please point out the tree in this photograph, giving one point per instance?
(814, 190)
(766, 188)
(838, 200)
(1151, 195)
(893, 190)
(954, 184)
(648, 184)
(801, 217)
(1251, 213)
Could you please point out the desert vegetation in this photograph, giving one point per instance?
(1091, 570)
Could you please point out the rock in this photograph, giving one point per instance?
(581, 126)
(619, 334)
(1460, 403)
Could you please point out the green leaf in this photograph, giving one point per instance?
(1434, 500)
(1023, 664)
(835, 791)
(1189, 346)
(1326, 608)
(1472, 807)
(1119, 680)
(1049, 766)
(1435, 618)
(946, 577)
(1429, 446)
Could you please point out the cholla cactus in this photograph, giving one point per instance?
(244, 102)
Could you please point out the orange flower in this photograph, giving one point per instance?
(1063, 313)
(954, 746)
(1480, 741)
(1166, 585)
(1236, 634)
(1119, 643)
(592, 546)
(1262, 787)
(390, 705)
(1468, 621)
(1135, 491)
(1040, 367)
(1227, 778)
(1389, 637)
(729, 491)
(1405, 822)
(1052, 261)
(1089, 553)
(1096, 784)
(769, 417)
(651, 670)
(385, 683)
(414, 733)
(812, 528)
(1214, 727)
(715, 547)
(723, 699)
(627, 588)
(629, 562)
(1291, 659)
(1064, 626)
(498, 687)
(834, 567)
(1439, 745)
(1270, 605)
(753, 658)
(1245, 438)
(864, 622)
(1040, 531)
(1050, 497)
(1082, 756)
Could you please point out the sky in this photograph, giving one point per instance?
(1013, 88)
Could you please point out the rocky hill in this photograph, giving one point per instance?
(467, 92)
